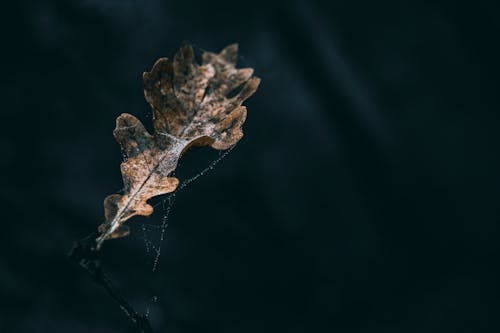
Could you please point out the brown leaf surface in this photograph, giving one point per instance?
(192, 105)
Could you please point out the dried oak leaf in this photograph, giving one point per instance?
(193, 105)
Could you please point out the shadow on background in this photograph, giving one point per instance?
(363, 197)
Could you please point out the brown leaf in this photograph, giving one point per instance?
(193, 105)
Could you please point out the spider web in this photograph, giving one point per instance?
(153, 247)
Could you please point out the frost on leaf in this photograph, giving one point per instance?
(193, 105)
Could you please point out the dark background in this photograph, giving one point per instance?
(363, 197)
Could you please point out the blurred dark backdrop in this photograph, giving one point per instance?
(363, 197)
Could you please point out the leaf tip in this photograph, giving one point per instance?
(230, 53)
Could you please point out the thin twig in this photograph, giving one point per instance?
(84, 254)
